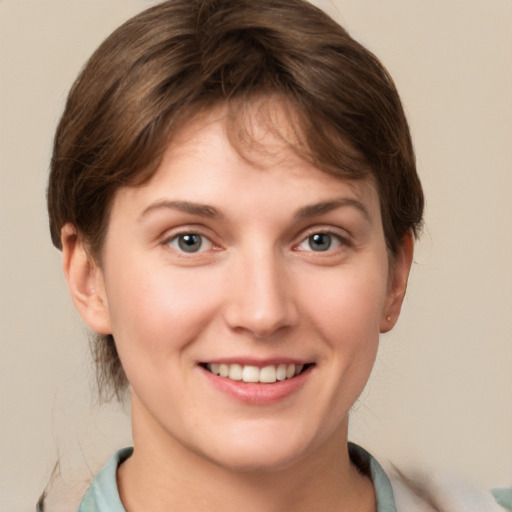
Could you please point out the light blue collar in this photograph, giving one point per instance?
(103, 494)
(381, 483)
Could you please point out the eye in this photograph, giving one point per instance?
(320, 242)
(190, 243)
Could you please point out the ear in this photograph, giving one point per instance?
(399, 274)
(85, 281)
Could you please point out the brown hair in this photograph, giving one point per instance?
(182, 56)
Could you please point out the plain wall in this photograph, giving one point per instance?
(440, 394)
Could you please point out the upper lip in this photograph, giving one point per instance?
(260, 363)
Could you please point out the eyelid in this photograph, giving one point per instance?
(190, 229)
(203, 247)
(342, 238)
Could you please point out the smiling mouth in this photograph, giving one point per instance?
(248, 373)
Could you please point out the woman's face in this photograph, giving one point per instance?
(246, 295)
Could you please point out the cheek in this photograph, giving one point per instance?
(348, 303)
(157, 309)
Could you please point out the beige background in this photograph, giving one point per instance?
(441, 392)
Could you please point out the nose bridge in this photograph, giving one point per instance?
(260, 299)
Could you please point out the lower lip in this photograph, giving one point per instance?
(257, 393)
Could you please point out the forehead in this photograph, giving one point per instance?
(209, 161)
(265, 131)
(261, 130)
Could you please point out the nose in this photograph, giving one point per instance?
(260, 297)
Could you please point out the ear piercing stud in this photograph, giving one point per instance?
(388, 318)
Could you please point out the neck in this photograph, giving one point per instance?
(163, 475)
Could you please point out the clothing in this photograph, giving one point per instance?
(103, 495)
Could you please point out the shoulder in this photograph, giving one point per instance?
(427, 491)
(439, 491)
(103, 495)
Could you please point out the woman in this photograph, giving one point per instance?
(234, 190)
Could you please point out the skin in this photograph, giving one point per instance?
(257, 290)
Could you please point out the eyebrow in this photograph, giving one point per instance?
(306, 212)
(202, 210)
(317, 209)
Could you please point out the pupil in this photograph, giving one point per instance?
(190, 243)
(320, 241)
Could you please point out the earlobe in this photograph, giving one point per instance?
(85, 281)
(398, 283)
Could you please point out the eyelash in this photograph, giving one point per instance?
(333, 237)
(178, 242)
(174, 242)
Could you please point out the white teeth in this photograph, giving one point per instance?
(235, 372)
(268, 374)
(250, 374)
(281, 372)
(224, 370)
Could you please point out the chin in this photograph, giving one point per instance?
(255, 460)
(257, 452)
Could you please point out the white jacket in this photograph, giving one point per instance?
(440, 492)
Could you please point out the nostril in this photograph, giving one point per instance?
(261, 322)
